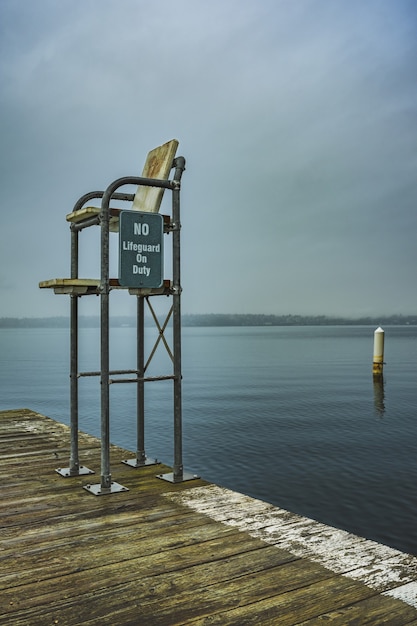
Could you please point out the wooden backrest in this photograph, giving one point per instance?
(158, 165)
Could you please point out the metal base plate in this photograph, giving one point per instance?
(171, 478)
(66, 472)
(137, 463)
(98, 490)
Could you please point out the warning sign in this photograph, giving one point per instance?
(141, 249)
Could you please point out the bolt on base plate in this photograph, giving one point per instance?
(98, 490)
(67, 472)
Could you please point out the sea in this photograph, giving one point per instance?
(290, 415)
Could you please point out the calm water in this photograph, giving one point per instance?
(288, 415)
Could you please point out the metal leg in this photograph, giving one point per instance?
(141, 459)
(106, 485)
(74, 469)
(178, 474)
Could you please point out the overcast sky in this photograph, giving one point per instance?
(297, 119)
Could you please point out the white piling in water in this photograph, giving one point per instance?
(378, 362)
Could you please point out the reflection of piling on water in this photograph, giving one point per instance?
(379, 395)
(378, 362)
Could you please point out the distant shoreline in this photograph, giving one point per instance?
(217, 319)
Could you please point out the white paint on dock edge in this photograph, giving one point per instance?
(380, 567)
(406, 593)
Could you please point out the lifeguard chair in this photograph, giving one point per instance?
(147, 199)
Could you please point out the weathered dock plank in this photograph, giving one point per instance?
(163, 553)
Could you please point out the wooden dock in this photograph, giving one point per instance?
(163, 553)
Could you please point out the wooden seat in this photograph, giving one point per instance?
(158, 165)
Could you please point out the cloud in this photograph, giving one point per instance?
(297, 120)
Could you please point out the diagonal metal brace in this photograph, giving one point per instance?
(161, 335)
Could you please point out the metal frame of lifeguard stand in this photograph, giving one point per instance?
(76, 288)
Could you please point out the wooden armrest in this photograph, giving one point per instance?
(78, 286)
